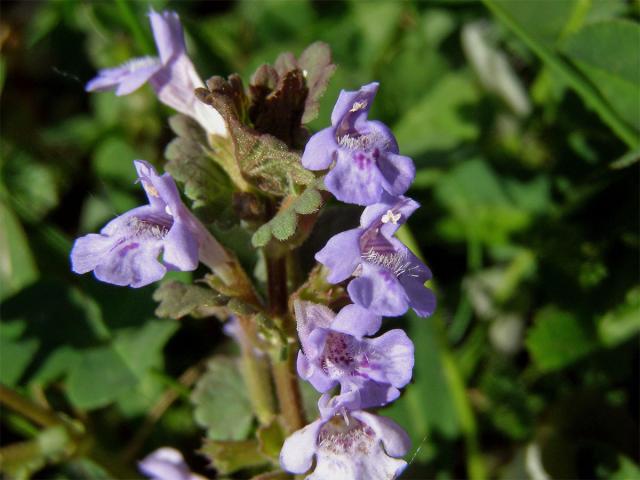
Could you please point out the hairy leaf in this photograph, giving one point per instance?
(229, 457)
(190, 162)
(178, 299)
(221, 402)
(283, 225)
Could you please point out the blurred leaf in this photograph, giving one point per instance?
(270, 439)
(607, 53)
(99, 378)
(15, 355)
(113, 160)
(627, 469)
(17, 267)
(442, 119)
(178, 299)
(428, 406)
(623, 322)
(141, 347)
(541, 32)
(377, 22)
(479, 206)
(221, 403)
(557, 339)
(229, 457)
(546, 24)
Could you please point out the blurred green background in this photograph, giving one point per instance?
(523, 118)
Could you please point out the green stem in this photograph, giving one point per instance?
(256, 375)
(284, 375)
(142, 40)
(288, 392)
(27, 408)
(586, 90)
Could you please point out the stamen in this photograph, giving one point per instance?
(391, 217)
(140, 228)
(396, 262)
(359, 106)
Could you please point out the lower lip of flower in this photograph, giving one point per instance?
(340, 437)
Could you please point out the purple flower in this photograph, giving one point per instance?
(355, 446)
(166, 464)
(127, 249)
(369, 370)
(389, 278)
(365, 152)
(172, 75)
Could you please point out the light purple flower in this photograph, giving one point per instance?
(172, 75)
(369, 370)
(353, 446)
(166, 464)
(127, 250)
(389, 278)
(365, 152)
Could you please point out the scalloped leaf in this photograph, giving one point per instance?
(221, 402)
(284, 224)
(179, 299)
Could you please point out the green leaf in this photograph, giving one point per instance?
(623, 322)
(229, 457)
(141, 347)
(317, 67)
(17, 268)
(284, 224)
(478, 204)
(541, 35)
(558, 339)
(197, 167)
(607, 53)
(270, 439)
(442, 118)
(99, 378)
(15, 355)
(113, 160)
(626, 470)
(221, 402)
(179, 299)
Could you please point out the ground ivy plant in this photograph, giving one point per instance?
(322, 328)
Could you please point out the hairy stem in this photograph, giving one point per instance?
(289, 394)
(286, 380)
(256, 375)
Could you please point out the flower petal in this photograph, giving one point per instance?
(347, 100)
(133, 263)
(180, 248)
(373, 215)
(395, 440)
(421, 298)
(357, 321)
(89, 251)
(309, 317)
(135, 79)
(378, 290)
(168, 34)
(165, 464)
(355, 178)
(298, 450)
(397, 171)
(391, 358)
(318, 153)
(341, 255)
(313, 375)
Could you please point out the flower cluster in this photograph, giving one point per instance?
(126, 251)
(385, 279)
